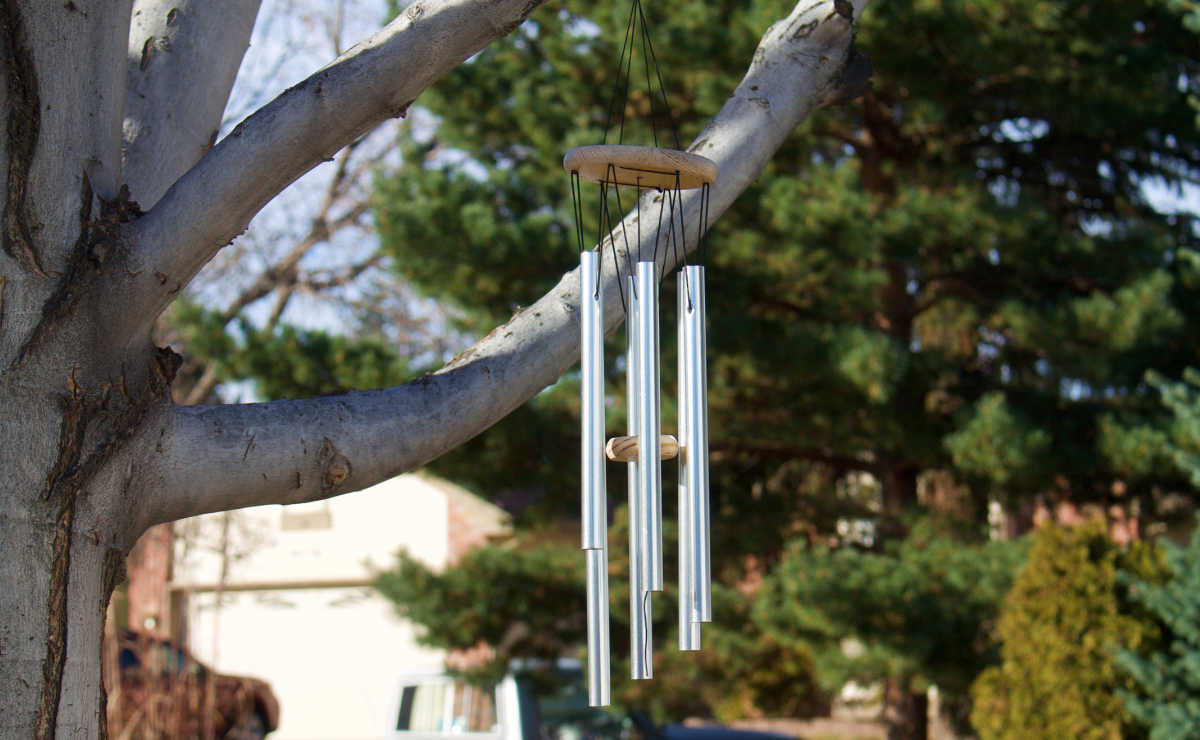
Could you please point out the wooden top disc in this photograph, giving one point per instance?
(640, 166)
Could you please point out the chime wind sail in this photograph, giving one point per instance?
(659, 178)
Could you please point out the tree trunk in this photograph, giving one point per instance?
(58, 575)
(906, 712)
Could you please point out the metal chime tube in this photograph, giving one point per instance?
(592, 433)
(594, 495)
(639, 598)
(689, 629)
(649, 428)
(597, 607)
(696, 378)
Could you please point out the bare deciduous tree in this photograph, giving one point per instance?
(114, 196)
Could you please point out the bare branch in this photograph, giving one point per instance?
(203, 387)
(183, 58)
(306, 125)
(284, 278)
(314, 284)
(301, 450)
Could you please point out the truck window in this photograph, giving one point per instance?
(447, 707)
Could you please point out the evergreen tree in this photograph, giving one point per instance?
(1060, 626)
(524, 599)
(920, 612)
(1167, 701)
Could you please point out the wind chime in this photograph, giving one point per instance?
(659, 178)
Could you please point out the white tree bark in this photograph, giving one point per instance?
(183, 58)
(92, 448)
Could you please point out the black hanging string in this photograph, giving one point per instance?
(638, 29)
(605, 229)
(651, 59)
(671, 202)
(625, 46)
(611, 173)
(663, 197)
(646, 66)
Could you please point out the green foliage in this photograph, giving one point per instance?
(922, 609)
(286, 362)
(1183, 399)
(495, 594)
(996, 443)
(1167, 700)
(1059, 626)
(526, 601)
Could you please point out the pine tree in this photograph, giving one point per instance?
(920, 612)
(523, 598)
(1167, 696)
(1167, 700)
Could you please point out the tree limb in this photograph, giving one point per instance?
(306, 125)
(183, 58)
(223, 457)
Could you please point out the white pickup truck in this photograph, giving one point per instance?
(434, 706)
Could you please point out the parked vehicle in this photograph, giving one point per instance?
(529, 706)
(164, 692)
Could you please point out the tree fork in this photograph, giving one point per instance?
(96, 241)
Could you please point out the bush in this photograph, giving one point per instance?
(1059, 625)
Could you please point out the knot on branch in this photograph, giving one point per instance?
(334, 466)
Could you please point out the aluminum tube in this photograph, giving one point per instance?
(695, 343)
(597, 609)
(649, 426)
(639, 626)
(689, 630)
(592, 480)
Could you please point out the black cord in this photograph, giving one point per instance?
(637, 26)
(662, 89)
(612, 170)
(577, 204)
(617, 88)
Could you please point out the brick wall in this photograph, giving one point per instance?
(148, 569)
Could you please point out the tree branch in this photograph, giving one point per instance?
(183, 58)
(223, 457)
(306, 125)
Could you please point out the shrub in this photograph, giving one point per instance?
(1059, 625)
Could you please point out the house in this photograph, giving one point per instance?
(282, 593)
